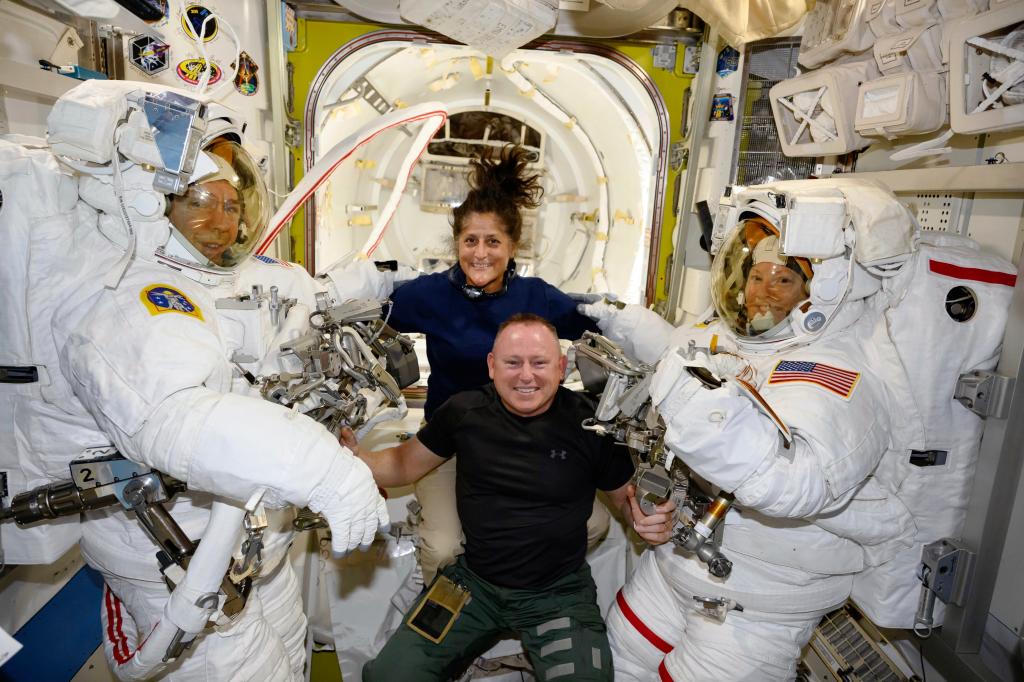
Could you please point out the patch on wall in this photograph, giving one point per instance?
(163, 8)
(191, 70)
(192, 19)
(148, 54)
(246, 80)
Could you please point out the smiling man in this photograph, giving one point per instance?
(525, 486)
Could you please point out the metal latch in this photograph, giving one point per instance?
(984, 393)
(945, 572)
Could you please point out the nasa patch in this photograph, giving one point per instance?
(246, 80)
(191, 70)
(148, 55)
(192, 19)
(161, 298)
(162, 8)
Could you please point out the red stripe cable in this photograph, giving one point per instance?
(663, 672)
(634, 620)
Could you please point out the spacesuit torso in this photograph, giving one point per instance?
(813, 516)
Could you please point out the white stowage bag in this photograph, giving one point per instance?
(42, 225)
(934, 350)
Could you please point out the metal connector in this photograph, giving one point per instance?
(985, 393)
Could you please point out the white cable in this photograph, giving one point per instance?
(114, 276)
(204, 80)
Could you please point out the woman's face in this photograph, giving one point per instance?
(484, 249)
(772, 290)
(208, 216)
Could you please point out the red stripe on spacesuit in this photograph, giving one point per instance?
(634, 620)
(663, 673)
(973, 274)
(115, 634)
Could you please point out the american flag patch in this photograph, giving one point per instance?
(272, 261)
(838, 381)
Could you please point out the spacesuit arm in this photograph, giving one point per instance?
(156, 409)
(211, 441)
(363, 279)
(642, 333)
(725, 439)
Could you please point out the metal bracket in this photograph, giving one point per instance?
(293, 133)
(948, 564)
(678, 155)
(984, 393)
(664, 56)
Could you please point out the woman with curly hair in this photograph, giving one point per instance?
(460, 310)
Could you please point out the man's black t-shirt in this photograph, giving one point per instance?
(525, 485)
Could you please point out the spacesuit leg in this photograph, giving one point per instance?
(282, 609)
(644, 623)
(748, 645)
(249, 648)
(440, 529)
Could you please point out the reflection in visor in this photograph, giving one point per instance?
(754, 285)
(221, 217)
(209, 217)
(206, 199)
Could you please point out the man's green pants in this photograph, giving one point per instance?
(560, 627)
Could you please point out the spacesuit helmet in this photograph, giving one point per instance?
(218, 221)
(755, 286)
(167, 172)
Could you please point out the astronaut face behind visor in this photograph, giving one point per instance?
(219, 220)
(754, 286)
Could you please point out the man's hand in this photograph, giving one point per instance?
(655, 529)
(347, 437)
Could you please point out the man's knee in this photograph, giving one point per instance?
(437, 550)
(597, 524)
(440, 530)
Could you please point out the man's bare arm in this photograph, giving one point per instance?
(392, 467)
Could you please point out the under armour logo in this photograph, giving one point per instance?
(558, 454)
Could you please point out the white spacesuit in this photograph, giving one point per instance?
(797, 305)
(156, 319)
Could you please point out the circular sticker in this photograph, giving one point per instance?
(191, 70)
(814, 321)
(192, 20)
(161, 6)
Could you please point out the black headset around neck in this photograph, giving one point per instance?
(458, 279)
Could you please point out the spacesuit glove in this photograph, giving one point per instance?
(642, 333)
(348, 499)
(729, 365)
(716, 431)
(363, 279)
(672, 381)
